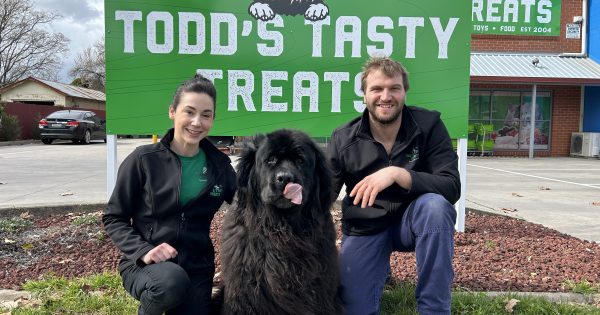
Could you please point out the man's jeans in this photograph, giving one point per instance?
(167, 288)
(427, 227)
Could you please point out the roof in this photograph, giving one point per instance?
(66, 89)
(520, 68)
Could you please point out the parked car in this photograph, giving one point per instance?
(79, 126)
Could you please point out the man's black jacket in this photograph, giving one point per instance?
(423, 147)
(144, 209)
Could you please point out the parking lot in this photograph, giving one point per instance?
(560, 193)
(62, 173)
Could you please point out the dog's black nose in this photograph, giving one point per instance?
(284, 177)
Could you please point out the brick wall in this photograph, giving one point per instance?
(566, 106)
(566, 113)
(534, 44)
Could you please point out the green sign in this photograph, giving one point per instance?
(516, 17)
(290, 64)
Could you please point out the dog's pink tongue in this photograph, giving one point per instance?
(293, 192)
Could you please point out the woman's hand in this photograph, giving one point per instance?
(160, 253)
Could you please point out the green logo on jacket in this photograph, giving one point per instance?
(216, 191)
(414, 155)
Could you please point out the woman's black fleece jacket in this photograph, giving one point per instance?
(144, 211)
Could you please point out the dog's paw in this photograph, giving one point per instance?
(261, 11)
(316, 12)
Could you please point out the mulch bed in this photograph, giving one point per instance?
(495, 253)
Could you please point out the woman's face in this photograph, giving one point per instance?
(193, 117)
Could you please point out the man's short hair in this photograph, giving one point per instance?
(389, 67)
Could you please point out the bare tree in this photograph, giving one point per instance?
(90, 68)
(27, 48)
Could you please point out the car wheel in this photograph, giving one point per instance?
(46, 141)
(87, 137)
(104, 139)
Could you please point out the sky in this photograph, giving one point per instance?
(82, 22)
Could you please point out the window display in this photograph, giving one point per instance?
(501, 120)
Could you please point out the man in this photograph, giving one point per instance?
(401, 178)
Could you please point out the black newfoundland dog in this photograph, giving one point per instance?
(278, 253)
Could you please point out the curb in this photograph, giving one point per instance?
(17, 142)
(554, 297)
(10, 299)
(44, 211)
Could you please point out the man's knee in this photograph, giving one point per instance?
(435, 210)
(171, 287)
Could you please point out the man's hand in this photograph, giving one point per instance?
(160, 253)
(368, 188)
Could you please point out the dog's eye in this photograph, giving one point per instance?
(272, 161)
(299, 161)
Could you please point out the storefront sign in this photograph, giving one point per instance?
(290, 65)
(516, 17)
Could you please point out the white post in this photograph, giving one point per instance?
(532, 121)
(111, 164)
(461, 150)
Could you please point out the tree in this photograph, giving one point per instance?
(27, 48)
(80, 83)
(90, 68)
(10, 129)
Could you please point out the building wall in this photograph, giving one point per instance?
(537, 44)
(32, 91)
(566, 113)
(594, 28)
(85, 103)
(565, 116)
(591, 118)
(566, 100)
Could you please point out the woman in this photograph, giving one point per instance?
(164, 200)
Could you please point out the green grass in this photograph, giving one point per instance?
(13, 224)
(86, 219)
(400, 301)
(583, 286)
(103, 294)
(97, 294)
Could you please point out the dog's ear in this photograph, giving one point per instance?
(245, 166)
(324, 178)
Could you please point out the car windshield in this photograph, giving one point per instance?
(66, 114)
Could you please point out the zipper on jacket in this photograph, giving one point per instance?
(180, 226)
(181, 234)
(149, 235)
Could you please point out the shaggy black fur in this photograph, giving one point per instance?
(278, 257)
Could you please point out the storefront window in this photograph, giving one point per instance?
(505, 118)
(479, 105)
(542, 121)
(500, 120)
